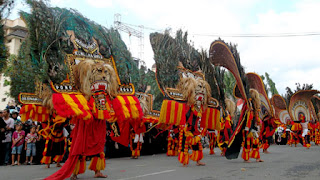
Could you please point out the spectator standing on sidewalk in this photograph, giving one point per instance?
(8, 135)
(17, 143)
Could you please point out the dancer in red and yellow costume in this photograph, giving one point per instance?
(173, 142)
(56, 143)
(192, 115)
(301, 111)
(88, 136)
(317, 133)
(135, 144)
(305, 131)
(212, 140)
(88, 108)
(267, 134)
(226, 126)
(251, 131)
(197, 93)
(222, 54)
(295, 133)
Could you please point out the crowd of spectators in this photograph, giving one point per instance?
(20, 142)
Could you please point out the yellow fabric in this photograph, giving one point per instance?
(125, 110)
(172, 112)
(163, 112)
(134, 110)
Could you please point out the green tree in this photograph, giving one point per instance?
(5, 9)
(272, 86)
(148, 78)
(229, 82)
(21, 72)
(3, 48)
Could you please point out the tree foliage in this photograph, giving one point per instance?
(5, 8)
(229, 82)
(269, 84)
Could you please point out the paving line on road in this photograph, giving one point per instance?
(151, 174)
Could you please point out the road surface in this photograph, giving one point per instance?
(282, 163)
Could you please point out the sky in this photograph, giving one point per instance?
(288, 60)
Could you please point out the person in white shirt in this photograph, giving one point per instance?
(8, 135)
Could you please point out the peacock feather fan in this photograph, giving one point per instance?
(47, 44)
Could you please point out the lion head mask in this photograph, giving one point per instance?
(196, 92)
(91, 77)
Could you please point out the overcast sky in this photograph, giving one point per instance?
(288, 60)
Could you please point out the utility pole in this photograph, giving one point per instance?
(137, 32)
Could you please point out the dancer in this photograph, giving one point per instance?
(252, 130)
(212, 140)
(226, 126)
(190, 133)
(56, 143)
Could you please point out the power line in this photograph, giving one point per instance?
(261, 35)
(247, 35)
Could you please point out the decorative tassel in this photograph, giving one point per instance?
(176, 147)
(173, 113)
(169, 147)
(183, 156)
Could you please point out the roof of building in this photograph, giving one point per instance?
(19, 33)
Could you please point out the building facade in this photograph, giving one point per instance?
(15, 31)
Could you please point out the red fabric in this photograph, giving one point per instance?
(125, 123)
(124, 134)
(268, 132)
(117, 107)
(62, 108)
(140, 128)
(66, 170)
(88, 138)
(26, 108)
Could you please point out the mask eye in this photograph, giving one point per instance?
(100, 70)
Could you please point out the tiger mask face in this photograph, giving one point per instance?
(92, 77)
(196, 92)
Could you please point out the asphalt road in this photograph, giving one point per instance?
(283, 163)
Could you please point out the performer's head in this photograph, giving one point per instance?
(46, 96)
(144, 104)
(302, 117)
(202, 93)
(196, 92)
(230, 107)
(256, 102)
(93, 76)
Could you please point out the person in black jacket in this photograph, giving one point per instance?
(2, 137)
